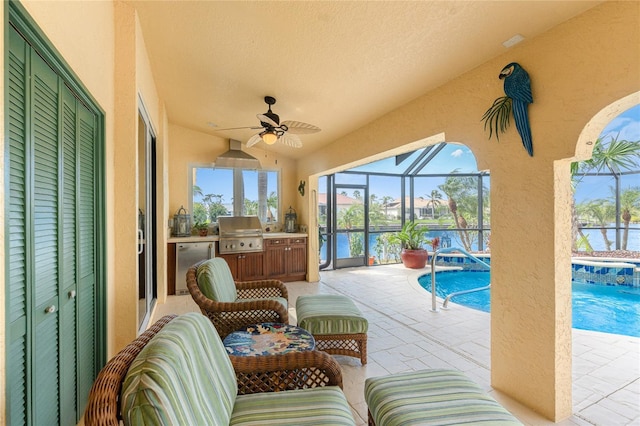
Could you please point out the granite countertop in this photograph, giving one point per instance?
(209, 238)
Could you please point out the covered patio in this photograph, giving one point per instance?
(404, 335)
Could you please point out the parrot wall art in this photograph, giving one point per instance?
(517, 88)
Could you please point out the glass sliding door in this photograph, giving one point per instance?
(147, 264)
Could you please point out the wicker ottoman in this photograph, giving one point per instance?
(336, 323)
(431, 397)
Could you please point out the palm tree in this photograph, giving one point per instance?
(250, 207)
(214, 206)
(385, 202)
(613, 157)
(272, 203)
(349, 218)
(376, 216)
(434, 200)
(629, 206)
(462, 192)
(602, 212)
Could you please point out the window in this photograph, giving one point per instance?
(234, 192)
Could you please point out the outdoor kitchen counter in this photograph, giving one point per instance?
(269, 235)
(284, 257)
(265, 235)
(193, 239)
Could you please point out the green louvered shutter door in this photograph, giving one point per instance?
(18, 292)
(68, 263)
(86, 246)
(45, 226)
(51, 244)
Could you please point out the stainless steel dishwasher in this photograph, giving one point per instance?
(188, 254)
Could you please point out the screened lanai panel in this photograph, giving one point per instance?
(430, 202)
(349, 220)
(350, 179)
(384, 195)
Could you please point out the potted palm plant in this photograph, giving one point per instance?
(412, 239)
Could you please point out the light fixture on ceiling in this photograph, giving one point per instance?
(269, 136)
(513, 40)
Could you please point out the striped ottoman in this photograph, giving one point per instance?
(336, 323)
(431, 397)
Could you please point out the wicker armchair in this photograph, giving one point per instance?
(294, 370)
(232, 305)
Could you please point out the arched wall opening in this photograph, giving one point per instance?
(439, 187)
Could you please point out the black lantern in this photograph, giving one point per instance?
(290, 220)
(181, 223)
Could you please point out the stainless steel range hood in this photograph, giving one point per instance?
(237, 158)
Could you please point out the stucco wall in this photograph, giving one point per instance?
(577, 69)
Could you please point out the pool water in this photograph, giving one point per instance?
(608, 309)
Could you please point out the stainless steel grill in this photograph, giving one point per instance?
(240, 234)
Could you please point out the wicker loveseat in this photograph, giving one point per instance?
(178, 373)
(232, 305)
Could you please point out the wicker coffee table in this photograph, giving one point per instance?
(268, 339)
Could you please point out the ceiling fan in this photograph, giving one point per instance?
(273, 131)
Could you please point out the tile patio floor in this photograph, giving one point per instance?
(405, 335)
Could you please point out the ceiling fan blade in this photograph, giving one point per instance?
(240, 128)
(300, 128)
(254, 140)
(264, 119)
(291, 140)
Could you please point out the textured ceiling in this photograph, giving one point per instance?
(335, 64)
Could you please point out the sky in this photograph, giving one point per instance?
(625, 126)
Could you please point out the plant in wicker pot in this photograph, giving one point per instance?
(202, 228)
(412, 238)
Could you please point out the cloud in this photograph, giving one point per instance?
(626, 126)
(457, 153)
(629, 130)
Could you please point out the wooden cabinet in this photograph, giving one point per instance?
(246, 266)
(286, 258)
(171, 268)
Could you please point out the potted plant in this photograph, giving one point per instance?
(202, 228)
(412, 238)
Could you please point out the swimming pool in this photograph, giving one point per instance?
(609, 309)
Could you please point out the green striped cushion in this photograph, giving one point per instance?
(317, 406)
(431, 397)
(329, 314)
(183, 376)
(216, 282)
(280, 300)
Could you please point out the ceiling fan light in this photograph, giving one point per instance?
(269, 137)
